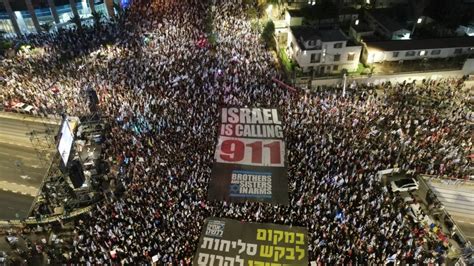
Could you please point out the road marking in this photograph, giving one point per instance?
(28, 145)
(25, 177)
(18, 188)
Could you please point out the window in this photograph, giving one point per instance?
(338, 45)
(311, 43)
(410, 53)
(395, 54)
(334, 68)
(337, 57)
(458, 51)
(315, 57)
(435, 52)
(350, 57)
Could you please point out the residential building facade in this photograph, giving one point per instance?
(377, 52)
(322, 51)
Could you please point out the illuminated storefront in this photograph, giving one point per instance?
(16, 18)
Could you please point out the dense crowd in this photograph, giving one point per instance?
(161, 83)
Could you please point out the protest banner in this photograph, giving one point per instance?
(250, 157)
(230, 242)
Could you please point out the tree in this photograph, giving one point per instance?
(4, 43)
(267, 34)
(252, 13)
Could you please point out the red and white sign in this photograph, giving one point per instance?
(246, 151)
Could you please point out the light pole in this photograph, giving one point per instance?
(418, 21)
(344, 85)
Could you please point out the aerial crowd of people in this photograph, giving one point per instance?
(161, 83)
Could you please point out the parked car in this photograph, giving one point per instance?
(404, 184)
(16, 107)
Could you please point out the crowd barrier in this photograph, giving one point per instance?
(47, 219)
(449, 181)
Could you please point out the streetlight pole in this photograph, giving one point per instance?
(418, 21)
(344, 79)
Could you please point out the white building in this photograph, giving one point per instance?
(324, 51)
(418, 49)
(465, 30)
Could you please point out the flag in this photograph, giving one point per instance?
(391, 259)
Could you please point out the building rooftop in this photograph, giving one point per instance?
(383, 18)
(311, 33)
(362, 27)
(348, 10)
(295, 12)
(422, 44)
(307, 33)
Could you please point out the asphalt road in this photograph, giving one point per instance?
(466, 224)
(24, 160)
(14, 206)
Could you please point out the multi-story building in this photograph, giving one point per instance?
(18, 17)
(377, 52)
(322, 51)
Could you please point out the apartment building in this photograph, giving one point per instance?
(323, 51)
(381, 51)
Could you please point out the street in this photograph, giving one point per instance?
(24, 160)
(466, 224)
(13, 205)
